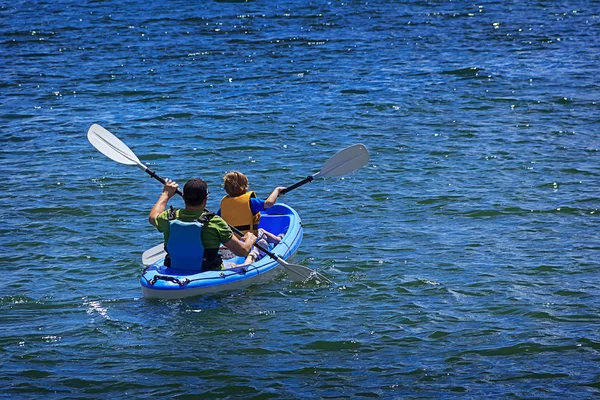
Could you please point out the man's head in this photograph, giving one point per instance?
(195, 192)
(235, 183)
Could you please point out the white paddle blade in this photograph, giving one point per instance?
(154, 254)
(299, 273)
(109, 145)
(345, 161)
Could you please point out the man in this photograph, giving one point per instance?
(192, 235)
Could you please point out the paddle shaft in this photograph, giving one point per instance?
(306, 180)
(157, 177)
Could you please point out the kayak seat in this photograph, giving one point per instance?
(275, 224)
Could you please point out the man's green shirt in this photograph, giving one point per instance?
(213, 234)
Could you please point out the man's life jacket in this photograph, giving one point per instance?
(236, 211)
(184, 247)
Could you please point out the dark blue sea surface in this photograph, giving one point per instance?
(465, 255)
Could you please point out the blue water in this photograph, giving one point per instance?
(465, 255)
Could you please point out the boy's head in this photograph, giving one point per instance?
(235, 183)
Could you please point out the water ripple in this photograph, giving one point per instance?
(464, 254)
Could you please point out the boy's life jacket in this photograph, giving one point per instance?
(236, 211)
(185, 250)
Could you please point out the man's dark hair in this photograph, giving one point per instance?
(195, 192)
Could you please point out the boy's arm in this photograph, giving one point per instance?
(270, 201)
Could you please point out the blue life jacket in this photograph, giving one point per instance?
(185, 246)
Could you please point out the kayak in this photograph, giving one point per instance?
(160, 282)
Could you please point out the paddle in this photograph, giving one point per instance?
(342, 163)
(112, 147)
(154, 254)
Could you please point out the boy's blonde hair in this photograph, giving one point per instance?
(235, 183)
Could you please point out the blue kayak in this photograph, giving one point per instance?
(160, 282)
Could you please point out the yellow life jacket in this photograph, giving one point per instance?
(236, 212)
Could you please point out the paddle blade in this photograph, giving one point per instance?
(299, 273)
(154, 254)
(345, 161)
(109, 145)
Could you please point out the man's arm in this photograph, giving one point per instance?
(169, 191)
(241, 247)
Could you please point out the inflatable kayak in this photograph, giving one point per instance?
(160, 282)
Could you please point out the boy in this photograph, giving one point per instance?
(241, 208)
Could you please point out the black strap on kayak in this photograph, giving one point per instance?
(180, 282)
